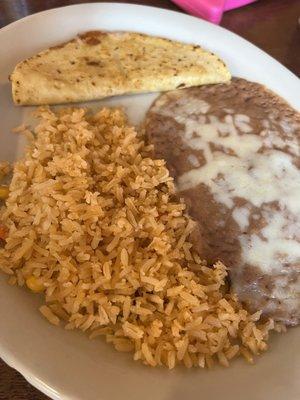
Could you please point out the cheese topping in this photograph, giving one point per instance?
(254, 167)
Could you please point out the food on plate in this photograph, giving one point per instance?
(3, 192)
(3, 233)
(233, 150)
(4, 169)
(94, 226)
(99, 64)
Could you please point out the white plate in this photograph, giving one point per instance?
(66, 365)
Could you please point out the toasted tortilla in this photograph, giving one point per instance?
(99, 64)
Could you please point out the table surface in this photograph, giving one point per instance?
(272, 25)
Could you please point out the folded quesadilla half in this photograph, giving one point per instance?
(98, 64)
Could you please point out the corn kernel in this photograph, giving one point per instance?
(4, 192)
(34, 284)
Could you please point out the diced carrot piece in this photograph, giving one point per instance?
(3, 232)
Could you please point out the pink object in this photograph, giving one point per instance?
(212, 10)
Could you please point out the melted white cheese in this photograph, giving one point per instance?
(193, 160)
(273, 247)
(241, 216)
(242, 170)
(262, 178)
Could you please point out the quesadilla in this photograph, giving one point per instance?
(99, 64)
